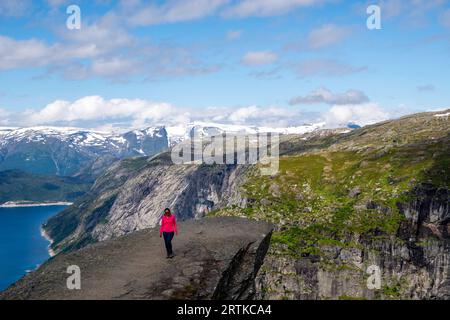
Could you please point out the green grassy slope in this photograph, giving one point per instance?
(332, 188)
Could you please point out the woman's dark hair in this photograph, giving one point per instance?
(167, 209)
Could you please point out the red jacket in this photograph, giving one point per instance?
(168, 224)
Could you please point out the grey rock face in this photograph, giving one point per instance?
(190, 191)
(125, 200)
(216, 258)
(413, 265)
(354, 192)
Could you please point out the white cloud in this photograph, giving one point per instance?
(4, 117)
(246, 8)
(324, 95)
(96, 111)
(273, 73)
(324, 67)
(114, 66)
(14, 8)
(173, 11)
(99, 38)
(255, 112)
(391, 8)
(145, 13)
(92, 42)
(327, 35)
(96, 108)
(106, 48)
(258, 58)
(32, 53)
(415, 12)
(271, 116)
(364, 114)
(102, 50)
(25, 53)
(57, 3)
(445, 18)
(233, 34)
(396, 8)
(426, 88)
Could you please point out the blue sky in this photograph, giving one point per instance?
(264, 62)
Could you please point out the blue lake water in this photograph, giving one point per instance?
(22, 247)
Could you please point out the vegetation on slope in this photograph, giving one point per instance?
(333, 189)
(18, 185)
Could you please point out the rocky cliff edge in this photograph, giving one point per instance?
(216, 258)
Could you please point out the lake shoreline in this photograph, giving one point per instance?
(45, 235)
(25, 204)
(28, 238)
(30, 204)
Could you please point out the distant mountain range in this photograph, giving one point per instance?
(38, 163)
(65, 151)
(209, 129)
(72, 151)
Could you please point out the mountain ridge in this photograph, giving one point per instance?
(66, 151)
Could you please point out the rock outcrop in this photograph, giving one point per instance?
(216, 258)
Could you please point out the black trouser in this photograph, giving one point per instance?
(168, 236)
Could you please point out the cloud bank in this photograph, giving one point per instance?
(363, 114)
(97, 112)
(258, 58)
(324, 95)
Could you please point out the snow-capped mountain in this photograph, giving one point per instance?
(205, 129)
(71, 151)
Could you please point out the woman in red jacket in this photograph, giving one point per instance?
(168, 229)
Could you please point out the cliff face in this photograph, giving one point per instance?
(132, 195)
(216, 258)
(190, 191)
(414, 265)
(350, 207)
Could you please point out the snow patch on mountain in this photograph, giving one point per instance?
(77, 137)
(71, 151)
(208, 129)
